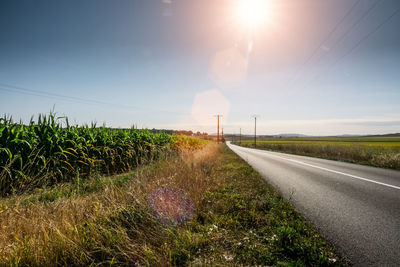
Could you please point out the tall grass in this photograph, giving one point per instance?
(239, 220)
(379, 154)
(50, 150)
(111, 226)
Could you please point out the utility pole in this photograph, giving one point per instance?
(240, 137)
(255, 130)
(222, 134)
(218, 116)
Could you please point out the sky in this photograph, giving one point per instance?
(312, 67)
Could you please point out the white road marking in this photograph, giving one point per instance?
(329, 170)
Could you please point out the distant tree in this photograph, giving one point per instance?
(183, 132)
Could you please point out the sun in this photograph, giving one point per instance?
(253, 13)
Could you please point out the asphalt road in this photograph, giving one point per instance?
(356, 207)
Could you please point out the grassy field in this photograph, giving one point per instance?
(239, 219)
(379, 151)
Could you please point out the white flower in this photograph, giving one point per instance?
(273, 238)
(228, 257)
(212, 228)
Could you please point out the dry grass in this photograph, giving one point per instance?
(373, 153)
(92, 229)
(239, 220)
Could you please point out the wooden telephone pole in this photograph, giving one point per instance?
(255, 130)
(240, 136)
(218, 116)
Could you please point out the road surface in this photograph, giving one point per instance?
(356, 207)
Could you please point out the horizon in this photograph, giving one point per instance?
(97, 125)
(315, 68)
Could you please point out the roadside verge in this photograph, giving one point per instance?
(239, 219)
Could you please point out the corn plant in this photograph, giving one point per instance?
(50, 150)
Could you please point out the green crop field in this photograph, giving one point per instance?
(50, 150)
(379, 151)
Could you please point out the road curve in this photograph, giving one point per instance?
(356, 207)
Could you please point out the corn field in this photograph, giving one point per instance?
(50, 150)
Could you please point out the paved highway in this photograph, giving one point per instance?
(356, 207)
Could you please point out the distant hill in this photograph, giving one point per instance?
(386, 135)
(350, 135)
(289, 135)
(296, 135)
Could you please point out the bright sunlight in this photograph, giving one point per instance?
(253, 13)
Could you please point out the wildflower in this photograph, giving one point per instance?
(228, 257)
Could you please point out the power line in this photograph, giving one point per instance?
(12, 88)
(315, 51)
(39, 93)
(364, 15)
(349, 30)
(358, 44)
(24, 93)
(366, 37)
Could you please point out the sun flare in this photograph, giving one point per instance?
(253, 13)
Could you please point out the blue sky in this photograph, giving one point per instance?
(174, 64)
